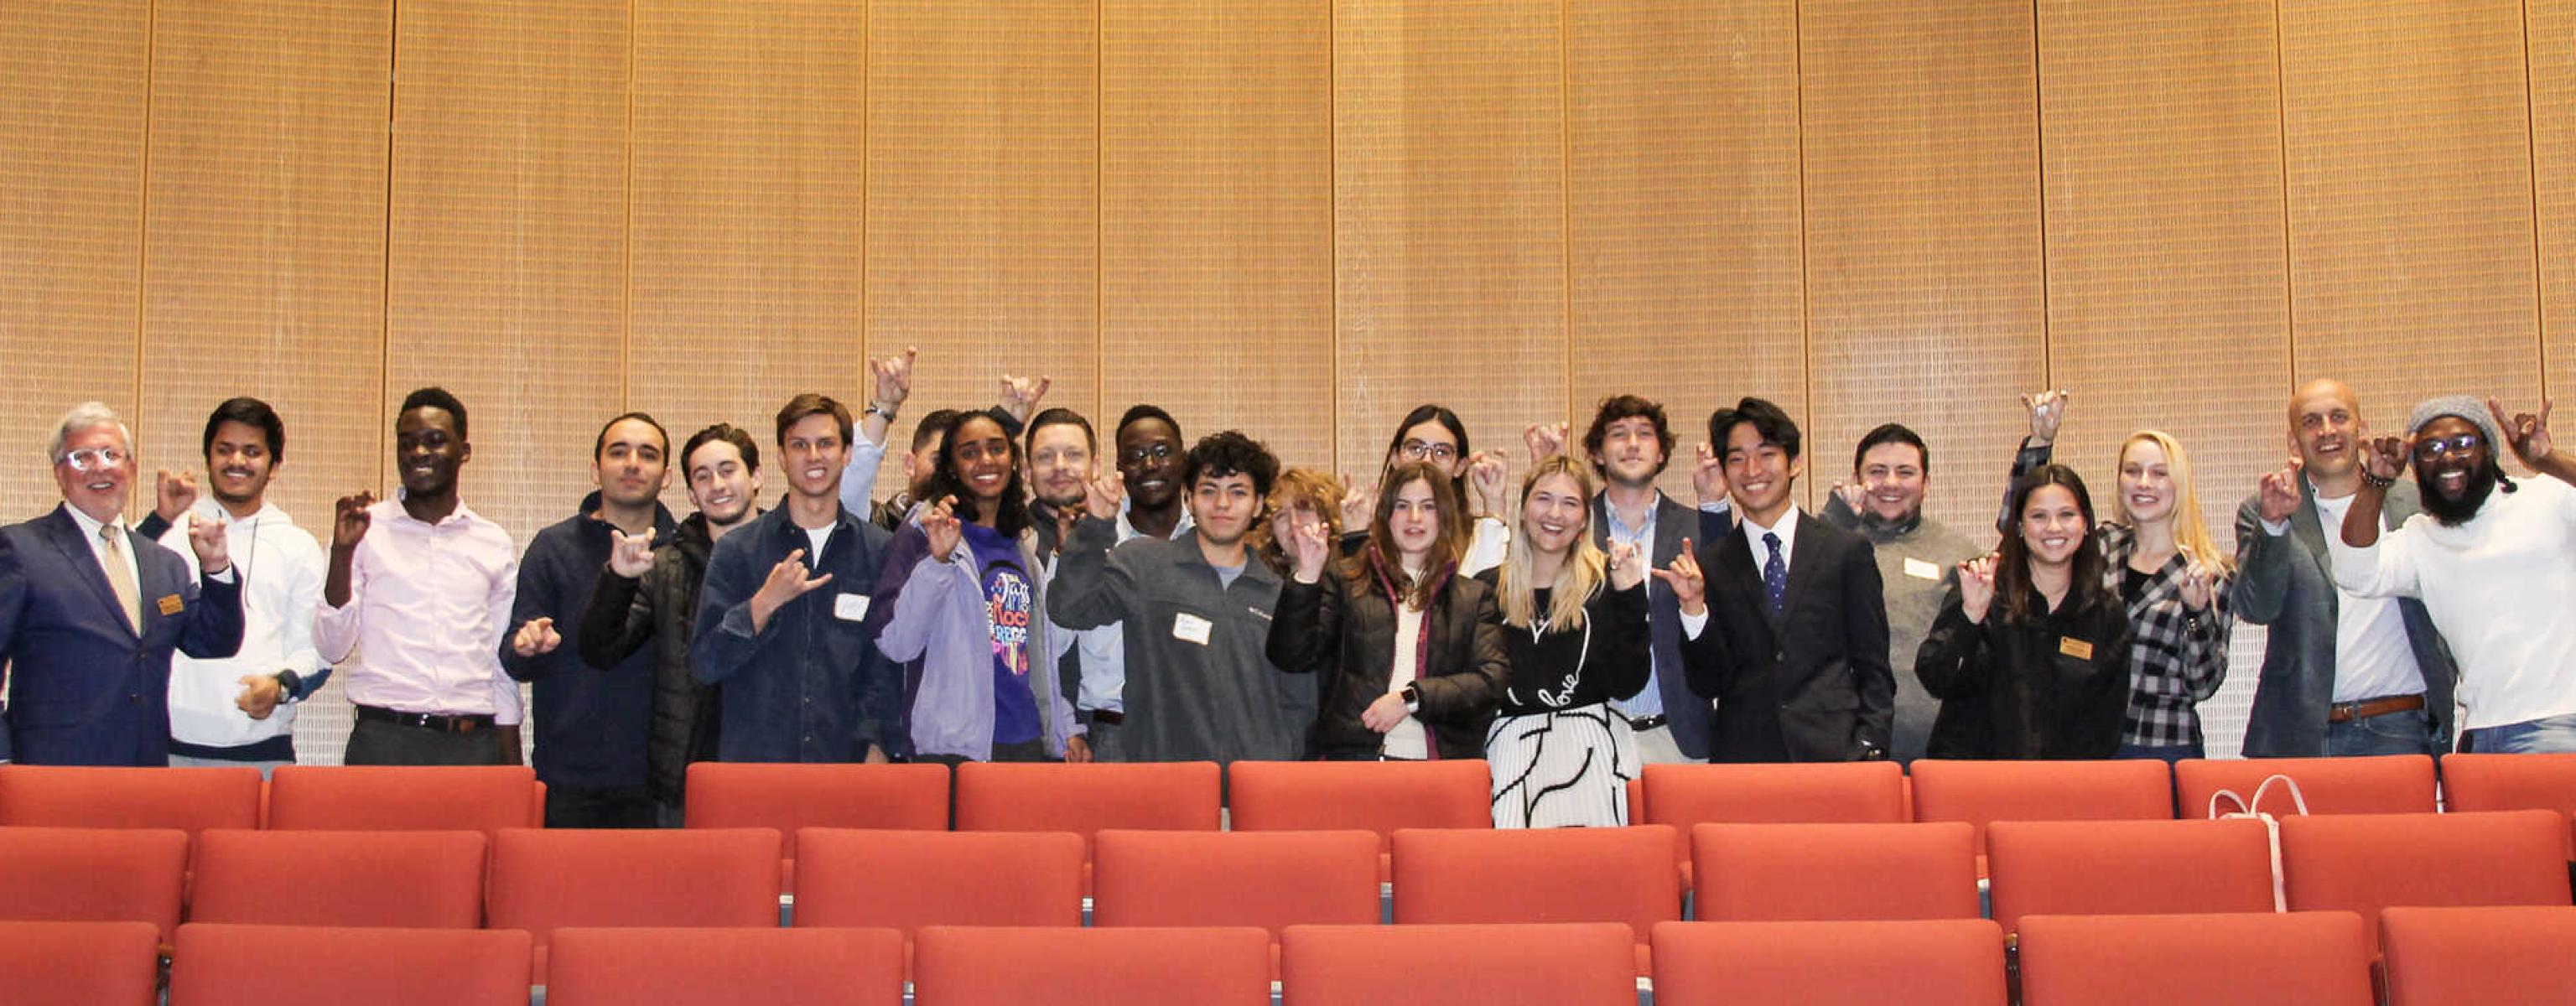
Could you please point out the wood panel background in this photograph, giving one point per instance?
(1298, 218)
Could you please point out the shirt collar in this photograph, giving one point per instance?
(1787, 529)
(1620, 529)
(89, 526)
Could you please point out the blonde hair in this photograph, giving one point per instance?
(1581, 575)
(2190, 529)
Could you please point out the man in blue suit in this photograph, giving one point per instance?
(90, 611)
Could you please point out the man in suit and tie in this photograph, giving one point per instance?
(90, 611)
(2342, 675)
(1629, 444)
(1787, 628)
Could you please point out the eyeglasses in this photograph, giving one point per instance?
(95, 459)
(1424, 450)
(1156, 452)
(2428, 450)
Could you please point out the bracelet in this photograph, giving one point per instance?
(875, 409)
(2376, 481)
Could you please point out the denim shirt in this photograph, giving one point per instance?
(809, 686)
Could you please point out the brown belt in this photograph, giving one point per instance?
(2346, 712)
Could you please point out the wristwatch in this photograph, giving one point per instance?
(288, 683)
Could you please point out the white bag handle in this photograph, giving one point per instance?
(2247, 808)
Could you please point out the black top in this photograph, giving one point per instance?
(2053, 686)
(1558, 668)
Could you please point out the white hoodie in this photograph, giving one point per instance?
(281, 569)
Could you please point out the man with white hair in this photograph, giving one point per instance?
(90, 611)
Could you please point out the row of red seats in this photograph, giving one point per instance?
(2434, 956)
(540, 880)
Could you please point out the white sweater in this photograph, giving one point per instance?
(2502, 588)
(281, 569)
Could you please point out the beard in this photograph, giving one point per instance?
(2450, 512)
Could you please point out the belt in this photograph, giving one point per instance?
(1642, 723)
(464, 723)
(1109, 716)
(2346, 712)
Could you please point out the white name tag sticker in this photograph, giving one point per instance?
(850, 607)
(1922, 570)
(1191, 628)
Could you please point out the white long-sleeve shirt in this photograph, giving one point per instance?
(2500, 587)
(428, 607)
(280, 568)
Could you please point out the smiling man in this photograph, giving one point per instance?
(1917, 559)
(2494, 562)
(1630, 443)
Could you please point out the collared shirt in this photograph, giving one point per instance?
(1649, 701)
(2374, 657)
(281, 569)
(1788, 532)
(125, 547)
(808, 684)
(428, 604)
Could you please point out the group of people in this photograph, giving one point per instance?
(1024, 598)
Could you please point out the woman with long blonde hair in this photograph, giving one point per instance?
(1574, 631)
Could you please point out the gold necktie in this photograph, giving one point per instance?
(121, 578)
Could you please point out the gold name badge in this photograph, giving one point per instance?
(2075, 648)
(170, 604)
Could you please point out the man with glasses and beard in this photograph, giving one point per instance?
(2496, 569)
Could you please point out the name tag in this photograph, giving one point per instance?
(1922, 570)
(2075, 648)
(1191, 628)
(170, 604)
(850, 607)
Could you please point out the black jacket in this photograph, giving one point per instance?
(2055, 686)
(661, 607)
(1343, 630)
(590, 722)
(1812, 684)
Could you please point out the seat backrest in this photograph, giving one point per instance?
(1566, 964)
(220, 964)
(725, 967)
(1271, 879)
(2438, 956)
(1008, 966)
(1461, 875)
(422, 879)
(1377, 796)
(58, 796)
(2511, 782)
(1082, 799)
(2367, 862)
(544, 879)
(79, 963)
(1981, 792)
(403, 798)
(2207, 960)
(93, 875)
(1816, 872)
(1934, 962)
(1806, 793)
(2380, 784)
(905, 880)
(2128, 867)
(790, 797)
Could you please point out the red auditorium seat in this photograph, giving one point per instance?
(231, 965)
(2128, 868)
(405, 798)
(1167, 796)
(2384, 784)
(1849, 872)
(1378, 796)
(1272, 879)
(1006, 966)
(1981, 792)
(79, 963)
(1620, 875)
(905, 880)
(725, 967)
(414, 879)
(2368, 862)
(1565, 964)
(2266, 959)
(546, 879)
(1821, 793)
(76, 797)
(2441, 956)
(1939, 962)
(790, 797)
(93, 875)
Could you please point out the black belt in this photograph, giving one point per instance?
(1109, 716)
(1642, 723)
(463, 723)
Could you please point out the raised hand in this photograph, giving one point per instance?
(1020, 396)
(630, 556)
(1708, 475)
(1689, 586)
(173, 494)
(1977, 587)
(349, 519)
(2278, 492)
(1627, 566)
(1852, 495)
(1487, 472)
(1545, 440)
(2047, 410)
(2199, 585)
(1305, 544)
(940, 524)
(259, 696)
(536, 637)
(893, 378)
(206, 538)
(2385, 457)
(1103, 495)
(1359, 506)
(2528, 434)
(787, 581)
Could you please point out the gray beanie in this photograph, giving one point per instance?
(2466, 407)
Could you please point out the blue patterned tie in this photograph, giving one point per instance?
(1775, 574)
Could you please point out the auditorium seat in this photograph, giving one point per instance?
(415, 879)
(905, 880)
(80, 797)
(1270, 879)
(725, 967)
(2476, 782)
(93, 875)
(2368, 862)
(1819, 872)
(405, 798)
(79, 963)
(790, 797)
(1012, 966)
(1378, 796)
(1818, 793)
(2128, 868)
(1166, 796)
(2382, 784)
(1981, 792)
(2265, 959)
(1625, 875)
(1566, 964)
(546, 879)
(2440, 956)
(1937, 962)
(237, 965)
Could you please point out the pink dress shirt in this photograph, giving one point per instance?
(427, 608)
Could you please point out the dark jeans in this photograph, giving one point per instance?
(1103, 738)
(601, 807)
(2405, 732)
(374, 742)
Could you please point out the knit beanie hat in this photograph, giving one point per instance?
(2466, 407)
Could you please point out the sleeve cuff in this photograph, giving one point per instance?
(1692, 624)
(2276, 528)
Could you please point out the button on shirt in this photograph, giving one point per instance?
(427, 608)
(1648, 701)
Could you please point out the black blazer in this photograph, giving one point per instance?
(1814, 684)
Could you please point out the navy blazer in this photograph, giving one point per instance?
(1811, 684)
(84, 687)
(1689, 715)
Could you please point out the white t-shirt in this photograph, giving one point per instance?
(2373, 656)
